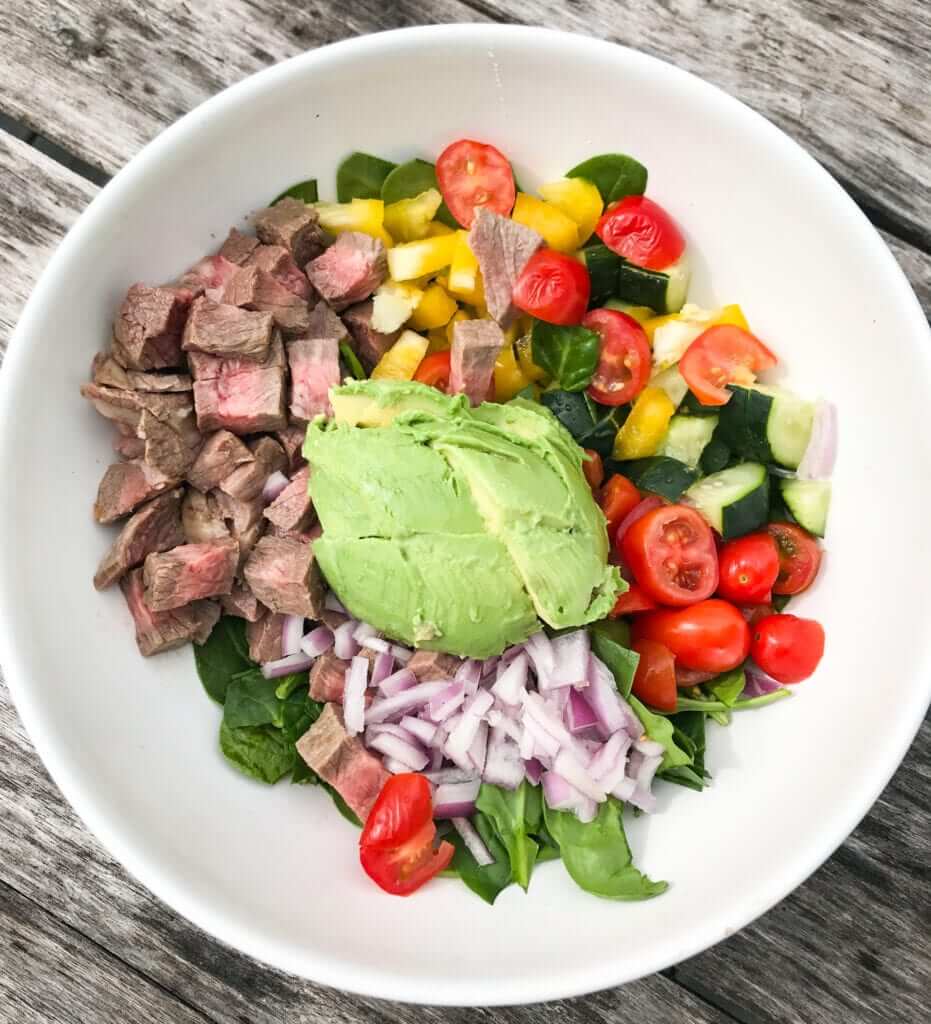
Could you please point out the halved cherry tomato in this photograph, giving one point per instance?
(632, 601)
(396, 845)
(799, 558)
(786, 647)
(711, 636)
(655, 678)
(641, 231)
(434, 370)
(724, 354)
(672, 555)
(618, 497)
(472, 174)
(748, 568)
(553, 287)
(624, 364)
(594, 469)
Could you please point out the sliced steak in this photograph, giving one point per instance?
(284, 576)
(227, 331)
(264, 637)
(209, 276)
(475, 349)
(502, 248)
(147, 330)
(238, 247)
(328, 678)
(189, 572)
(278, 261)
(350, 270)
(292, 440)
(154, 527)
(431, 665)
(343, 761)
(246, 523)
(253, 288)
(128, 446)
(314, 364)
(295, 225)
(221, 453)
(246, 482)
(161, 631)
(293, 511)
(107, 372)
(201, 518)
(165, 448)
(125, 486)
(242, 603)
(370, 345)
(239, 395)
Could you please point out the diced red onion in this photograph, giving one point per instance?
(821, 452)
(456, 799)
(317, 641)
(533, 770)
(757, 683)
(396, 683)
(648, 768)
(420, 729)
(536, 709)
(527, 744)
(292, 632)
(574, 772)
(561, 795)
(399, 704)
(641, 798)
(543, 742)
(461, 739)
(285, 666)
(363, 631)
(489, 665)
(612, 752)
(344, 643)
(512, 682)
(450, 697)
(333, 603)
(478, 704)
(473, 842)
(382, 668)
(637, 512)
(479, 747)
(510, 653)
(375, 643)
(509, 726)
(441, 776)
(394, 766)
(540, 651)
(357, 676)
(401, 654)
(436, 760)
(273, 486)
(579, 715)
(371, 731)
(400, 750)
(469, 673)
(624, 789)
(612, 710)
(649, 748)
(503, 763)
(570, 661)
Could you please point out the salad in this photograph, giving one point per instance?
(476, 523)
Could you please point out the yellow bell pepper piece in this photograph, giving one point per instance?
(509, 378)
(365, 215)
(409, 219)
(400, 362)
(646, 426)
(525, 358)
(411, 260)
(640, 313)
(465, 278)
(457, 318)
(434, 309)
(438, 340)
(579, 200)
(436, 228)
(731, 314)
(559, 231)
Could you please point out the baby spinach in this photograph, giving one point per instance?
(288, 684)
(251, 700)
(361, 176)
(568, 354)
(260, 751)
(688, 732)
(610, 640)
(660, 728)
(516, 815)
(224, 655)
(407, 181)
(597, 856)
(352, 361)
(306, 191)
(487, 881)
(727, 687)
(615, 175)
(710, 707)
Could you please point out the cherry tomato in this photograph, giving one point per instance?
(434, 370)
(632, 601)
(748, 567)
(754, 612)
(594, 469)
(672, 555)
(711, 636)
(642, 232)
(724, 354)
(553, 287)
(686, 677)
(655, 679)
(396, 845)
(799, 558)
(625, 361)
(786, 647)
(472, 174)
(618, 497)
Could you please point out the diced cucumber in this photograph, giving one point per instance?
(591, 425)
(664, 291)
(667, 477)
(808, 501)
(672, 382)
(789, 426)
(694, 407)
(603, 266)
(735, 501)
(767, 424)
(687, 438)
(715, 457)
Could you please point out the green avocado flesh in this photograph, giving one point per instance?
(452, 528)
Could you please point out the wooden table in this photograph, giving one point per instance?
(83, 85)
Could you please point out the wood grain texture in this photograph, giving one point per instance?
(848, 80)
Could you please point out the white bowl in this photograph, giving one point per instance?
(274, 872)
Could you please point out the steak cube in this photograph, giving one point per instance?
(147, 330)
(350, 270)
(264, 637)
(295, 225)
(209, 276)
(328, 678)
(475, 349)
(238, 247)
(227, 331)
(293, 511)
(162, 631)
(221, 453)
(254, 288)
(154, 527)
(189, 573)
(246, 482)
(314, 366)
(292, 440)
(201, 518)
(370, 345)
(242, 603)
(278, 261)
(283, 574)
(125, 486)
(433, 665)
(502, 248)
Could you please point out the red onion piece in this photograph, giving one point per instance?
(344, 644)
(543, 742)
(401, 703)
(375, 643)
(333, 603)
(579, 715)
(624, 790)
(401, 654)
(449, 698)
(400, 750)
(534, 771)
(497, 719)
(394, 684)
(503, 763)
(395, 766)
(285, 666)
(456, 799)
(419, 729)
(570, 656)
(561, 795)
(479, 747)
(317, 642)
(512, 682)
(606, 760)
(821, 452)
(540, 651)
(575, 773)
(460, 739)
(436, 760)
(757, 683)
(443, 775)
(357, 676)
(273, 486)
(469, 673)
(473, 841)
(382, 668)
(292, 632)
(478, 704)
(489, 665)
(363, 631)
(637, 512)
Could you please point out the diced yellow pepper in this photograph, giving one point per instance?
(436, 228)
(640, 313)
(393, 304)
(465, 278)
(365, 215)
(559, 231)
(434, 310)
(646, 426)
(579, 200)
(731, 314)
(651, 323)
(525, 357)
(509, 378)
(410, 219)
(400, 362)
(439, 340)
(411, 260)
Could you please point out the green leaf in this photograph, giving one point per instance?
(715, 706)
(344, 809)
(780, 601)
(303, 190)
(610, 640)
(352, 361)
(251, 700)
(288, 684)
(515, 814)
(260, 751)
(728, 686)
(488, 881)
(407, 181)
(659, 728)
(224, 655)
(615, 175)
(298, 713)
(688, 731)
(361, 176)
(568, 354)
(597, 856)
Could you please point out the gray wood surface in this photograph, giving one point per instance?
(79, 939)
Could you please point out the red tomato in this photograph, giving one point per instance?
(553, 287)
(594, 469)
(672, 555)
(434, 370)
(686, 677)
(396, 846)
(472, 174)
(642, 232)
(655, 679)
(632, 601)
(624, 365)
(754, 612)
(748, 567)
(786, 647)
(618, 497)
(724, 354)
(711, 636)
(799, 558)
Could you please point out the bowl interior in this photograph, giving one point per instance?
(274, 871)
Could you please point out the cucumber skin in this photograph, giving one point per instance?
(659, 474)
(809, 502)
(743, 423)
(748, 514)
(603, 266)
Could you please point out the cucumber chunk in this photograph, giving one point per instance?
(734, 501)
(603, 266)
(664, 291)
(687, 438)
(808, 501)
(766, 424)
(658, 474)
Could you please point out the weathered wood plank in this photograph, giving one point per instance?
(849, 81)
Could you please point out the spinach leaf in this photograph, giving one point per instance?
(304, 190)
(660, 729)
(515, 815)
(710, 707)
(288, 684)
(260, 751)
(728, 686)
(489, 881)
(597, 856)
(610, 640)
(344, 809)
(298, 713)
(352, 361)
(780, 601)
(224, 655)
(407, 181)
(688, 731)
(568, 354)
(615, 175)
(251, 700)
(361, 176)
